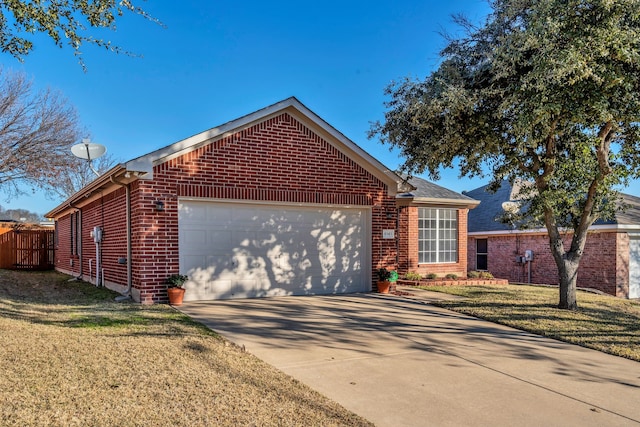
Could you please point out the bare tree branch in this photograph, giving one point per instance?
(37, 130)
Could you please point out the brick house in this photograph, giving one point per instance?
(277, 202)
(611, 260)
(433, 229)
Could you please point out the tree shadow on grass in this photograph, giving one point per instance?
(598, 327)
(50, 298)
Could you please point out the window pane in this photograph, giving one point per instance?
(481, 262)
(481, 246)
(437, 235)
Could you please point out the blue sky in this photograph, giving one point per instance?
(217, 61)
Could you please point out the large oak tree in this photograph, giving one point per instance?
(66, 22)
(545, 91)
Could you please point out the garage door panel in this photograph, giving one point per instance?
(195, 213)
(203, 290)
(253, 251)
(193, 238)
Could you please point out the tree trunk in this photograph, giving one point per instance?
(566, 262)
(568, 275)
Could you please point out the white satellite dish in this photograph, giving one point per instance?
(88, 150)
(511, 207)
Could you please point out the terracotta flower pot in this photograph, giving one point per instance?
(175, 295)
(383, 287)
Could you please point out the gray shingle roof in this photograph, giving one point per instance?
(631, 216)
(484, 218)
(428, 190)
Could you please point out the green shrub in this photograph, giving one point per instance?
(176, 280)
(412, 275)
(486, 275)
(451, 276)
(383, 274)
(431, 276)
(473, 274)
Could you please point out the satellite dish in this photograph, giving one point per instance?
(88, 150)
(511, 207)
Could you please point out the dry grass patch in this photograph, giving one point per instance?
(72, 356)
(604, 323)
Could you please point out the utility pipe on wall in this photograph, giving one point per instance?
(127, 293)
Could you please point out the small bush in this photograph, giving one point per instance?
(486, 275)
(412, 275)
(451, 276)
(383, 274)
(473, 274)
(431, 276)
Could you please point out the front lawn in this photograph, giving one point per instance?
(605, 323)
(73, 357)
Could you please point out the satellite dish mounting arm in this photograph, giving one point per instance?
(88, 150)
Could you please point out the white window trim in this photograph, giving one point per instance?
(438, 240)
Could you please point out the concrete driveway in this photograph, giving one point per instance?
(402, 362)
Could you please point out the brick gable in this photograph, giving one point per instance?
(277, 160)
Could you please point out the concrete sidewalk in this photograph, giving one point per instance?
(400, 362)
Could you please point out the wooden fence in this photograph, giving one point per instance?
(27, 250)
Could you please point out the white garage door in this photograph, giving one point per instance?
(634, 267)
(247, 250)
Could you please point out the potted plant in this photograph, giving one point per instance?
(175, 289)
(385, 278)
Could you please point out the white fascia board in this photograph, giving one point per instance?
(470, 204)
(615, 227)
(593, 228)
(506, 232)
(435, 202)
(144, 164)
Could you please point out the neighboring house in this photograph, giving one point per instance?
(611, 260)
(277, 202)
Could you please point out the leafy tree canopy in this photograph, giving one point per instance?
(64, 21)
(545, 91)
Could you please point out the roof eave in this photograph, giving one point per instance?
(107, 182)
(434, 201)
(594, 228)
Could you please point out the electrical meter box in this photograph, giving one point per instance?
(96, 233)
(528, 255)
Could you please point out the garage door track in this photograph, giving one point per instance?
(401, 362)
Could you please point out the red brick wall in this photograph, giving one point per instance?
(622, 265)
(155, 238)
(63, 258)
(602, 266)
(278, 160)
(408, 246)
(108, 212)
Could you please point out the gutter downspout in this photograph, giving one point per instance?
(127, 188)
(79, 233)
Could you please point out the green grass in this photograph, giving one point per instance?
(73, 357)
(604, 323)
